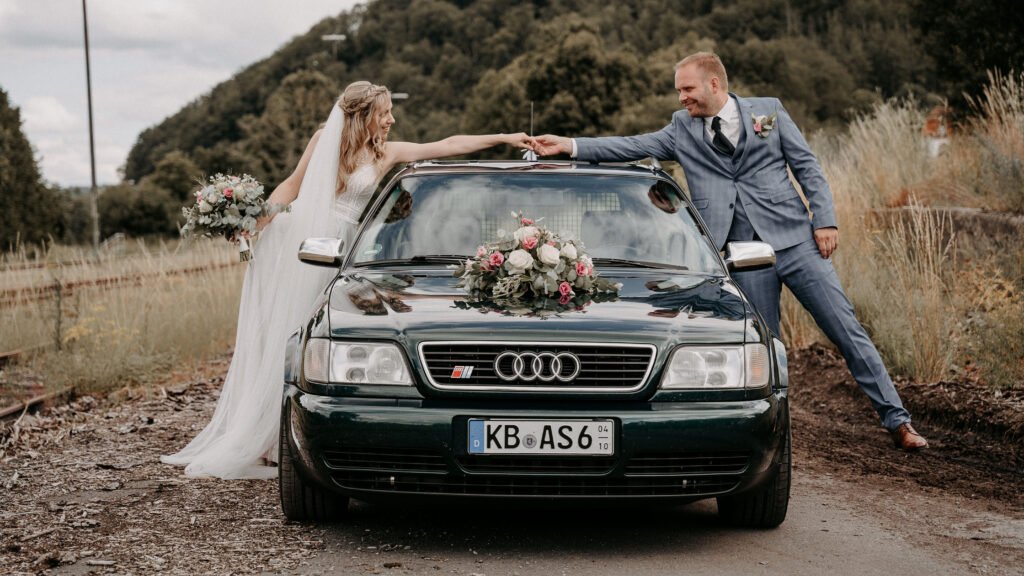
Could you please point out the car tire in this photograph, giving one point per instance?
(766, 506)
(300, 500)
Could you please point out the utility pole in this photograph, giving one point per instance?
(93, 193)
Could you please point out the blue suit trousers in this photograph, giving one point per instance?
(814, 282)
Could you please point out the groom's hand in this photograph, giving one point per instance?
(827, 240)
(549, 145)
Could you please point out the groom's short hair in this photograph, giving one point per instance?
(709, 63)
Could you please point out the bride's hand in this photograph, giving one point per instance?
(519, 140)
(263, 221)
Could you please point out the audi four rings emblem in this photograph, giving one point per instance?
(543, 366)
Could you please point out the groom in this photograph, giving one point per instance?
(735, 152)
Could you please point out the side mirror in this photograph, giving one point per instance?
(748, 256)
(322, 251)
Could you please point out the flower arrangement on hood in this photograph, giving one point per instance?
(534, 263)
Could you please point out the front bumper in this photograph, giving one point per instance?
(367, 447)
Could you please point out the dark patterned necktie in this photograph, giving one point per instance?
(720, 142)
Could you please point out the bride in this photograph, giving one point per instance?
(335, 178)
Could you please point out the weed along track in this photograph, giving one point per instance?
(12, 297)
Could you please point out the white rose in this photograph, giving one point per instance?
(548, 254)
(526, 232)
(519, 261)
(204, 207)
(569, 251)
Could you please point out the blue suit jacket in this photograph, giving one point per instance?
(757, 174)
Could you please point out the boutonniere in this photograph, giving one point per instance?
(763, 124)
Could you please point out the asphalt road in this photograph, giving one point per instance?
(834, 527)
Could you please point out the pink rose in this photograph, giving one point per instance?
(497, 259)
(526, 222)
(530, 242)
(481, 251)
(564, 289)
(228, 192)
(757, 127)
(581, 269)
(564, 299)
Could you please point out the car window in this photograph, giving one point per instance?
(620, 217)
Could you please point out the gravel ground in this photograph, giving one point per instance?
(85, 493)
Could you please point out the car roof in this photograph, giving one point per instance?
(555, 166)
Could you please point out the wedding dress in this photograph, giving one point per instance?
(277, 295)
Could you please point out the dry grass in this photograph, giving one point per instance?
(121, 319)
(897, 260)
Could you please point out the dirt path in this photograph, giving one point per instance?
(83, 492)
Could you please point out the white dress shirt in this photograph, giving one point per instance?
(731, 126)
(730, 115)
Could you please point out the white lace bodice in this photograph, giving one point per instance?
(361, 184)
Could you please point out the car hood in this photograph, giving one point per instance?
(652, 307)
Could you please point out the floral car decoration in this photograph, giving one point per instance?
(533, 264)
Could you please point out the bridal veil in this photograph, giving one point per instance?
(277, 295)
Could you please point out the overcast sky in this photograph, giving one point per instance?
(149, 58)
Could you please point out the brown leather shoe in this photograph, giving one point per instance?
(906, 438)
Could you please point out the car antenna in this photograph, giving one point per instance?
(530, 155)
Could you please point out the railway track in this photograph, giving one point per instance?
(12, 297)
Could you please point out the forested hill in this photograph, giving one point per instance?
(590, 66)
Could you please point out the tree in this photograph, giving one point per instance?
(138, 210)
(577, 86)
(275, 140)
(29, 211)
(177, 174)
(967, 38)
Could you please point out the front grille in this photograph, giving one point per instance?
(385, 460)
(525, 465)
(603, 367)
(544, 486)
(683, 464)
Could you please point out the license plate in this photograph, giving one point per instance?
(542, 437)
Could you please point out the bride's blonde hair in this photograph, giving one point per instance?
(361, 101)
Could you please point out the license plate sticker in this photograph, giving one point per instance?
(542, 437)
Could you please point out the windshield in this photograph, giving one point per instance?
(619, 219)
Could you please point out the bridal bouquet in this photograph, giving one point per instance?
(228, 206)
(533, 264)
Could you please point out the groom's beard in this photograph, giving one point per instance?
(700, 107)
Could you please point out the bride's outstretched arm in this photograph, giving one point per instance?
(400, 152)
(288, 190)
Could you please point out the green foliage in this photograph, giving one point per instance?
(590, 67)
(177, 174)
(29, 211)
(274, 141)
(138, 210)
(968, 38)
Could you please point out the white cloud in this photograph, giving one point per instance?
(149, 59)
(47, 114)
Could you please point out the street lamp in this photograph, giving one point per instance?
(334, 39)
(94, 212)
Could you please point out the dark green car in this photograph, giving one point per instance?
(402, 383)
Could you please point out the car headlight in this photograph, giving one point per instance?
(326, 361)
(702, 367)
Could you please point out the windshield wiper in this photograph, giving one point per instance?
(424, 259)
(637, 263)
